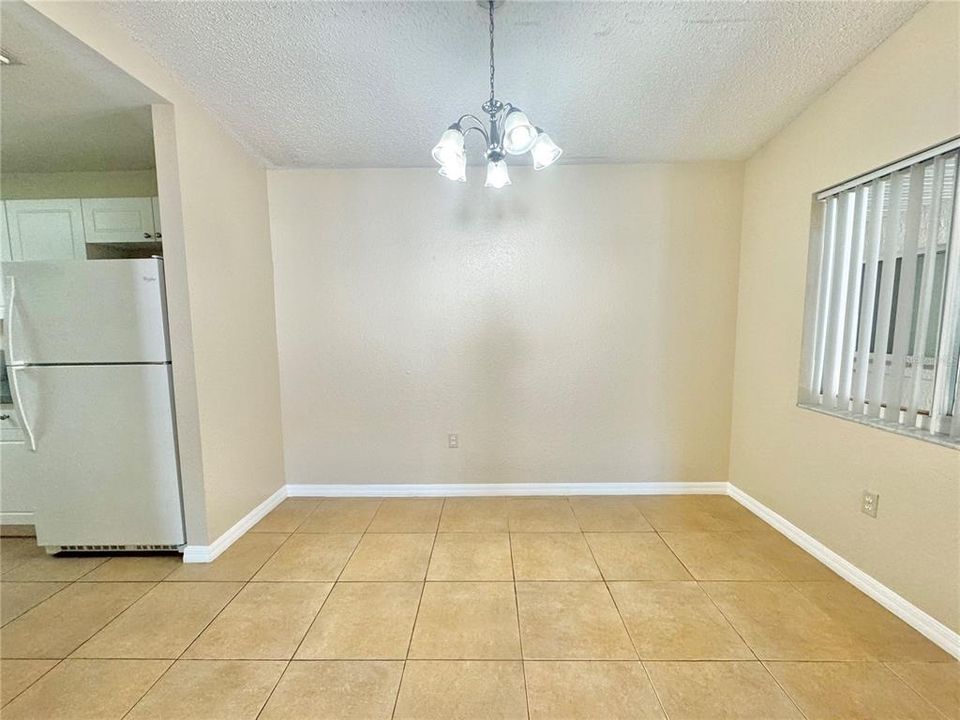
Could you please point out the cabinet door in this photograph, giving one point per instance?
(156, 217)
(5, 253)
(45, 230)
(118, 220)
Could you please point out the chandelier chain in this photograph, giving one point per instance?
(492, 67)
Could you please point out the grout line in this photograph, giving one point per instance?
(416, 616)
(623, 624)
(905, 681)
(763, 664)
(243, 584)
(516, 602)
(312, 622)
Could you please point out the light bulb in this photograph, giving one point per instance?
(456, 169)
(450, 147)
(545, 151)
(497, 175)
(518, 133)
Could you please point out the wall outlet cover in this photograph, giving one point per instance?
(869, 503)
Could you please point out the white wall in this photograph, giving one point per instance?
(220, 290)
(808, 467)
(574, 327)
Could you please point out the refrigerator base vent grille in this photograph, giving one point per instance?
(113, 548)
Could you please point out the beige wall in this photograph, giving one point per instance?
(120, 183)
(575, 327)
(808, 467)
(220, 281)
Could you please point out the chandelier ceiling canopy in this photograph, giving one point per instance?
(507, 132)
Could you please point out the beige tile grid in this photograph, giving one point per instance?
(533, 517)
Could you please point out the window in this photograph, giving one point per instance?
(882, 324)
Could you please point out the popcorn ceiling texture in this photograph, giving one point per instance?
(372, 84)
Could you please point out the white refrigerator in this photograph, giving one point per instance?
(89, 375)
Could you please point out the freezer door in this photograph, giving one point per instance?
(105, 468)
(81, 312)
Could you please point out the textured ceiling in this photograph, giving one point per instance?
(65, 107)
(372, 84)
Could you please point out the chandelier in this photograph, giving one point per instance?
(510, 132)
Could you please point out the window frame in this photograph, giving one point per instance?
(840, 206)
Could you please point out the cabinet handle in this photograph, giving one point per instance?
(147, 236)
(157, 236)
(5, 416)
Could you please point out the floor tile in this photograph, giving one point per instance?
(721, 556)
(609, 514)
(787, 558)
(571, 621)
(730, 515)
(390, 557)
(938, 683)
(484, 514)
(335, 690)
(287, 516)
(680, 513)
(239, 562)
(719, 691)
(341, 515)
(309, 557)
(17, 530)
(676, 621)
(135, 568)
(563, 690)
(18, 675)
(778, 623)
(407, 515)
(541, 515)
(471, 556)
(17, 598)
(886, 635)
(162, 623)
(552, 556)
(58, 625)
(364, 621)
(467, 620)
(635, 556)
(462, 690)
(16, 551)
(86, 690)
(53, 568)
(842, 690)
(265, 621)
(210, 690)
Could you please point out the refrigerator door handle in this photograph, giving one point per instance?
(12, 368)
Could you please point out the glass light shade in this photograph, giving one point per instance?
(456, 169)
(518, 134)
(545, 151)
(497, 175)
(450, 147)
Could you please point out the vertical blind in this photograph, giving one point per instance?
(882, 324)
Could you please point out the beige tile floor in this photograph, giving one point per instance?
(543, 608)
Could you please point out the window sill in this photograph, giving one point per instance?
(917, 434)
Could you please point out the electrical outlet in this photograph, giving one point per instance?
(870, 502)
(453, 441)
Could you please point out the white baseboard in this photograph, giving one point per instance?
(207, 553)
(507, 489)
(916, 618)
(16, 518)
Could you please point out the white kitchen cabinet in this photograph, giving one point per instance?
(119, 220)
(45, 229)
(156, 217)
(5, 253)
